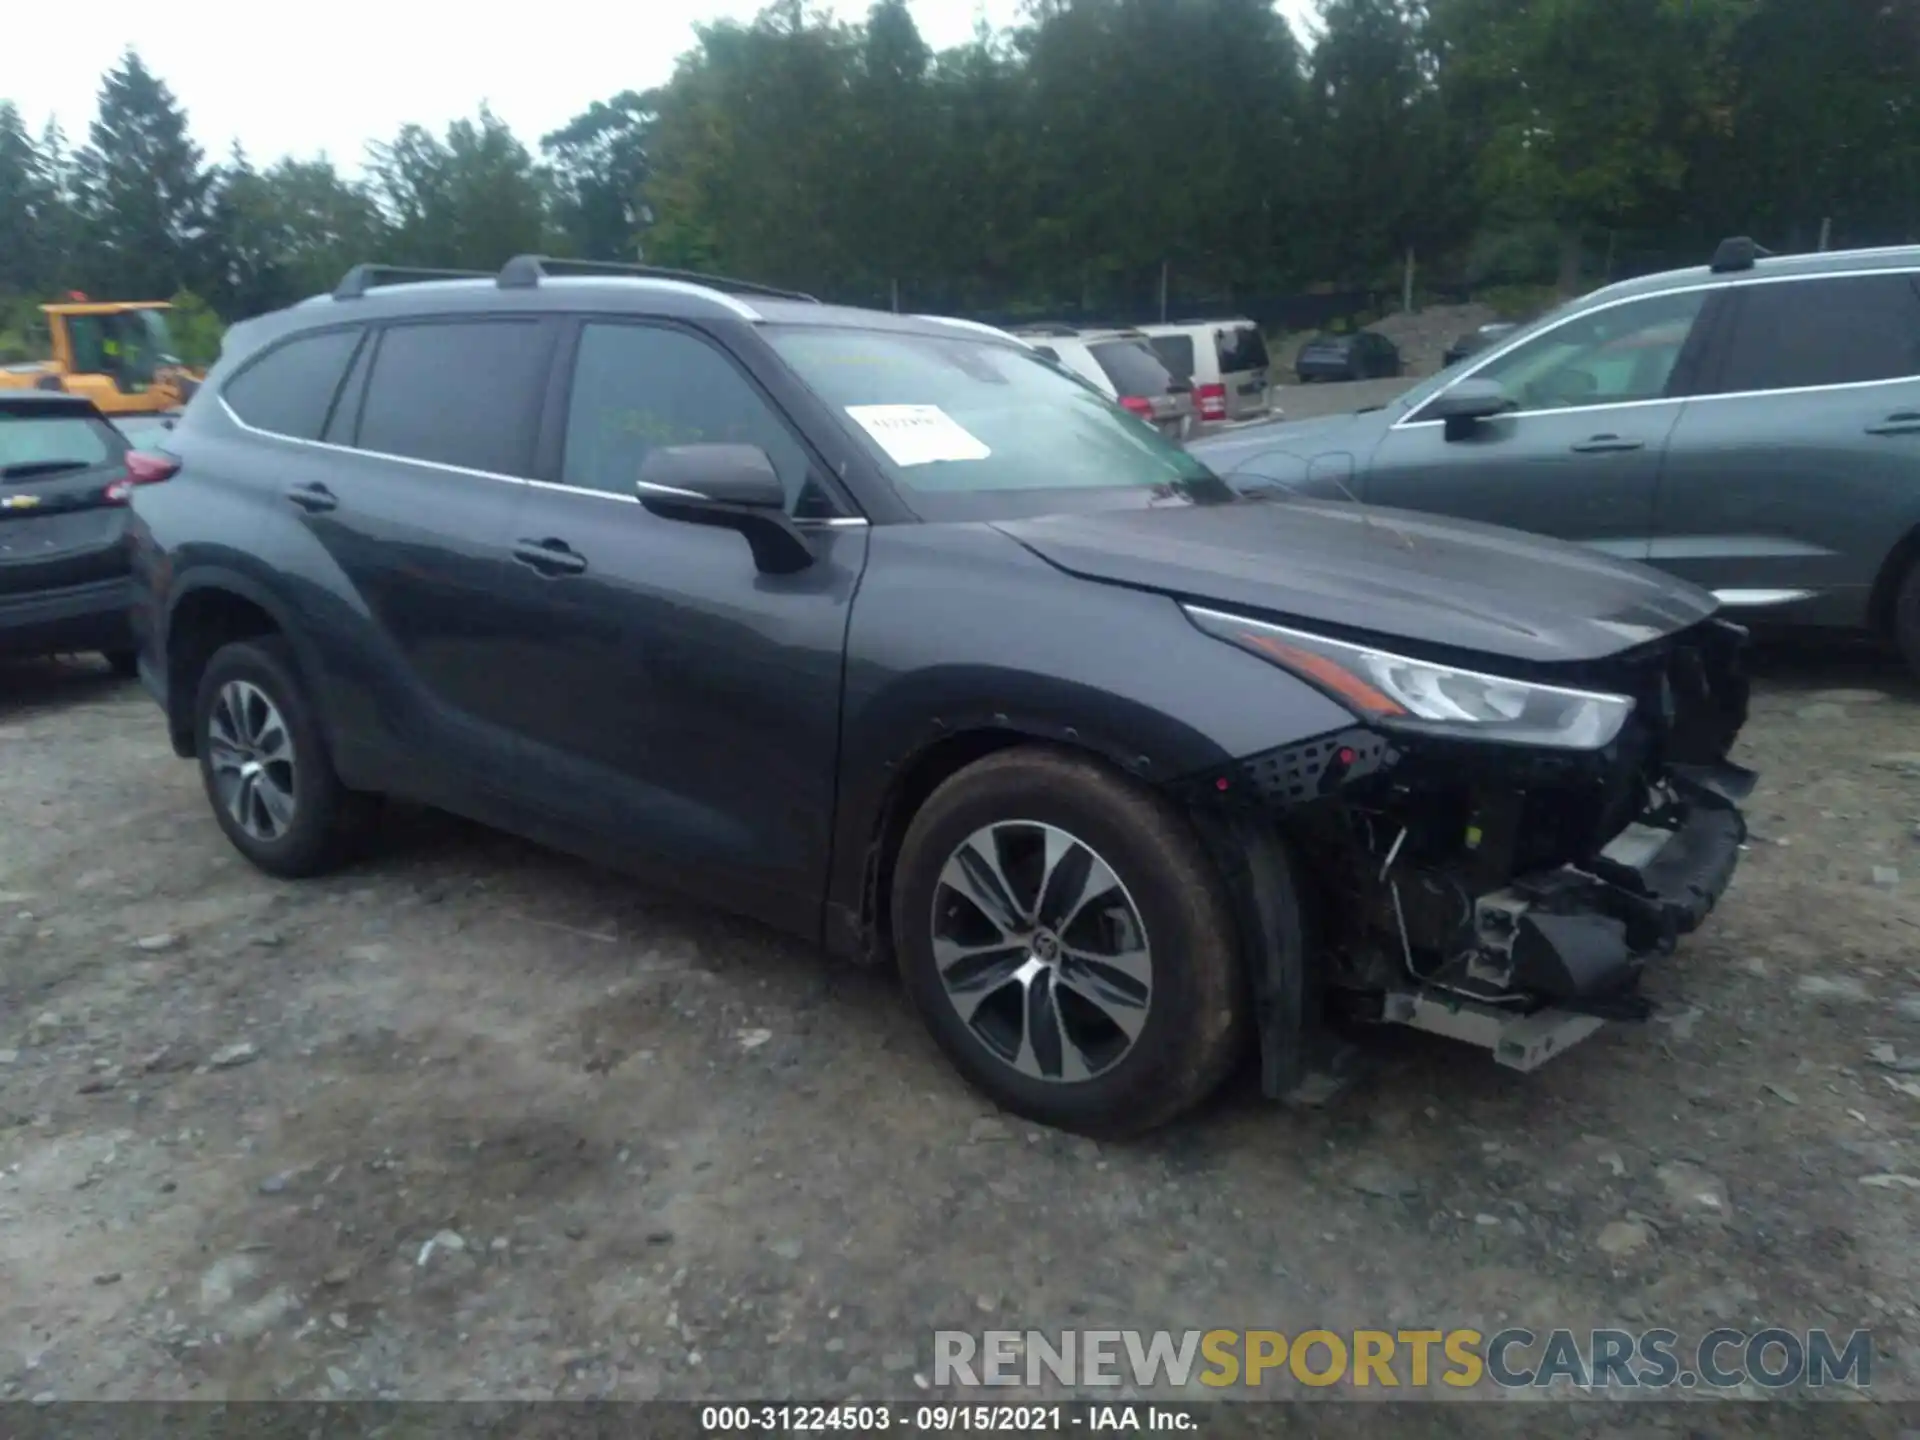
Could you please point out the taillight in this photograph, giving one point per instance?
(1137, 405)
(143, 468)
(1211, 400)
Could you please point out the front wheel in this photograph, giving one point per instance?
(1069, 945)
(264, 765)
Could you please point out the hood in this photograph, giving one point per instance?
(1391, 574)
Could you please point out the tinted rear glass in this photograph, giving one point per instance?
(1133, 368)
(289, 390)
(37, 440)
(1241, 348)
(1835, 331)
(462, 394)
(1176, 353)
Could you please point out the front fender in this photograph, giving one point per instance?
(960, 631)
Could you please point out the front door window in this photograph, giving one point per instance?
(1613, 356)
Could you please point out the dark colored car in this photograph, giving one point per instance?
(65, 475)
(887, 632)
(1476, 340)
(1363, 355)
(1752, 425)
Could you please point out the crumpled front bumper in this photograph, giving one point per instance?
(1578, 935)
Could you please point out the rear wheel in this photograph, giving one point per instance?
(265, 768)
(1068, 943)
(1906, 617)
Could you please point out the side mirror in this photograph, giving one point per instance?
(1465, 405)
(734, 487)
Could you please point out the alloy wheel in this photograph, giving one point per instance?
(250, 751)
(1041, 951)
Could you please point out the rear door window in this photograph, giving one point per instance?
(289, 390)
(461, 393)
(1176, 353)
(1132, 366)
(1241, 349)
(1835, 330)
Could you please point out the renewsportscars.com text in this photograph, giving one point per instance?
(1607, 1359)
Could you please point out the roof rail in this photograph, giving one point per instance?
(524, 272)
(1736, 253)
(362, 278)
(1048, 327)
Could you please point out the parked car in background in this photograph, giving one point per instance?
(1226, 362)
(1122, 365)
(1363, 355)
(1752, 425)
(1476, 340)
(65, 475)
(891, 634)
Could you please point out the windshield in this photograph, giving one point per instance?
(969, 429)
(129, 345)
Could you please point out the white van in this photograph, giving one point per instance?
(1227, 362)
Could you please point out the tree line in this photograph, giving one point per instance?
(1096, 155)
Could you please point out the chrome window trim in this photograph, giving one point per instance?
(334, 449)
(1742, 283)
(838, 522)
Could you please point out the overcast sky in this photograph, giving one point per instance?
(314, 78)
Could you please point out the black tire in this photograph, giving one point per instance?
(1196, 1021)
(1906, 617)
(327, 819)
(124, 663)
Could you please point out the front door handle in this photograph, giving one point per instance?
(313, 498)
(1607, 445)
(550, 556)
(1901, 422)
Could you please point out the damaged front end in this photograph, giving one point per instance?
(1505, 891)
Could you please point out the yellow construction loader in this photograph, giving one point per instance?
(117, 353)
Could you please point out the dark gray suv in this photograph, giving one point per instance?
(891, 634)
(1752, 425)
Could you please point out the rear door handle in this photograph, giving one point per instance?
(313, 498)
(1607, 445)
(1901, 422)
(550, 556)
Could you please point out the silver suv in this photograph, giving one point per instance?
(1121, 365)
(1752, 425)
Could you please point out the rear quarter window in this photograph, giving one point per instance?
(1176, 353)
(289, 390)
(1132, 366)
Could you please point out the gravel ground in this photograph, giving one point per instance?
(472, 1120)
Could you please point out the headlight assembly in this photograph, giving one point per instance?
(1411, 694)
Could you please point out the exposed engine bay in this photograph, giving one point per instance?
(1509, 895)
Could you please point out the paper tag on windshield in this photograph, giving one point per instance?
(917, 434)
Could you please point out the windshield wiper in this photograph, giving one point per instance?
(28, 468)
